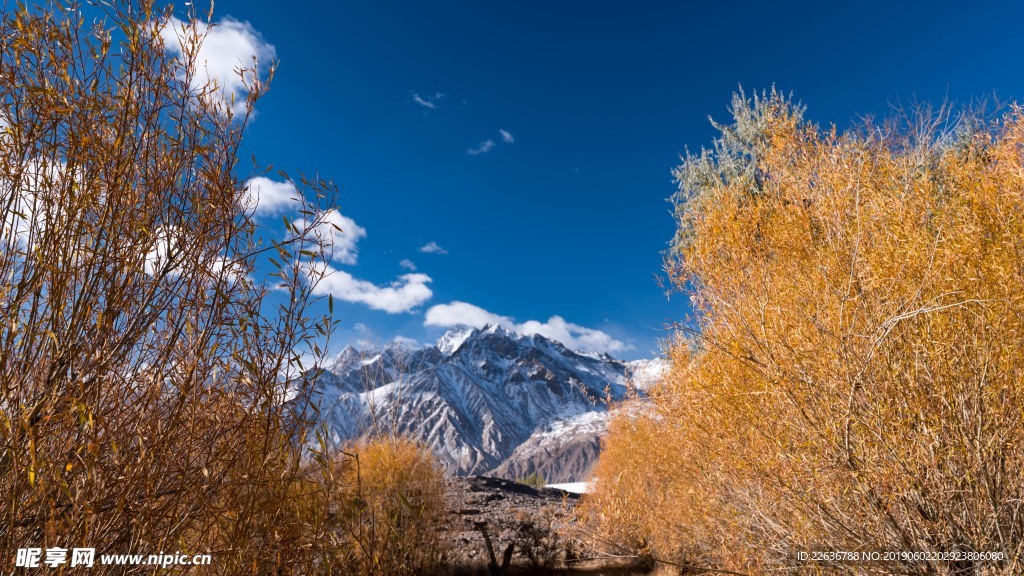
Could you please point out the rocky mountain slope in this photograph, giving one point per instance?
(485, 401)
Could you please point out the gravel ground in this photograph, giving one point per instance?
(511, 513)
(529, 519)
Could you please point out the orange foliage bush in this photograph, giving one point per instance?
(384, 500)
(853, 378)
(142, 368)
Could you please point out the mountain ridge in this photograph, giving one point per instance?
(485, 401)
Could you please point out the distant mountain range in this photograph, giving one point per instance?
(487, 401)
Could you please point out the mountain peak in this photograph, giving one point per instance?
(492, 329)
(450, 342)
(348, 355)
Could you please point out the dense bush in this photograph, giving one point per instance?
(852, 380)
(141, 366)
(384, 505)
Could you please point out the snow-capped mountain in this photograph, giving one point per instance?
(485, 401)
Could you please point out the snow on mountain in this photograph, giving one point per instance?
(646, 373)
(452, 339)
(488, 401)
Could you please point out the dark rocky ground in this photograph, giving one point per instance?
(530, 520)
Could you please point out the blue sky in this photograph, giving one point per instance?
(533, 141)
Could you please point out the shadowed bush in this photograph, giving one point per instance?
(534, 479)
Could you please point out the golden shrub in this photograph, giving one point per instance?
(853, 379)
(385, 501)
(141, 369)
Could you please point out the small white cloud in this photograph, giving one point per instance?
(457, 312)
(571, 335)
(432, 248)
(427, 101)
(265, 196)
(38, 205)
(402, 295)
(228, 46)
(168, 254)
(481, 148)
(406, 342)
(507, 136)
(343, 244)
(408, 265)
(25, 215)
(162, 253)
(229, 271)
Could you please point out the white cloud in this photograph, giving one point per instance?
(489, 144)
(229, 271)
(408, 265)
(343, 244)
(402, 295)
(166, 255)
(265, 196)
(571, 335)
(427, 101)
(163, 252)
(481, 148)
(38, 204)
(228, 46)
(432, 248)
(406, 342)
(24, 215)
(457, 312)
